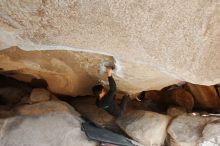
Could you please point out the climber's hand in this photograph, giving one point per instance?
(109, 71)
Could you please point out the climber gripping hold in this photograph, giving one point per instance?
(106, 98)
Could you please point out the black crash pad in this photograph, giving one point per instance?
(103, 135)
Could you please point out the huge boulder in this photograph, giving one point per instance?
(186, 130)
(152, 100)
(12, 91)
(11, 95)
(175, 95)
(54, 129)
(174, 111)
(206, 97)
(39, 95)
(189, 130)
(218, 89)
(6, 111)
(87, 108)
(152, 43)
(211, 134)
(148, 128)
(43, 108)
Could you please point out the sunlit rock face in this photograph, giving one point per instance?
(65, 72)
(153, 43)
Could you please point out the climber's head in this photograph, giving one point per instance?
(99, 90)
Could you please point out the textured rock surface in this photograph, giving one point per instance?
(178, 96)
(218, 89)
(154, 43)
(152, 100)
(66, 72)
(148, 128)
(43, 108)
(87, 108)
(211, 134)
(6, 111)
(205, 96)
(11, 95)
(174, 111)
(55, 129)
(39, 95)
(12, 91)
(188, 130)
(168, 96)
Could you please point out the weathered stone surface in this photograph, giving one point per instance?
(217, 87)
(172, 95)
(211, 134)
(151, 100)
(174, 111)
(5, 112)
(10, 82)
(205, 96)
(141, 105)
(186, 130)
(43, 108)
(11, 95)
(178, 96)
(148, 128)
(153, 95)
(39, 95)
(87, 108)
(54, 129)
(63, 71)
(153, 43)
(12, 91)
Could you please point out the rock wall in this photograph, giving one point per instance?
(57, 129)
(28, 117)
(153, 43)
(40, 118)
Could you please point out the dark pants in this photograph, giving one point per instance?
(122, 106)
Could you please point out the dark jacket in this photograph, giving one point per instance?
(108, 102)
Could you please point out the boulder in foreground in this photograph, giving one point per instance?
(188, 130)
(44, 108)
(54, 129)
(148, 128)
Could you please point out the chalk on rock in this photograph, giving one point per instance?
(104, 65)
(110, 65)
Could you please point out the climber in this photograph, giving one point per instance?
(106, 99)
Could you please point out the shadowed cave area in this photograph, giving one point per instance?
(183, 100)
